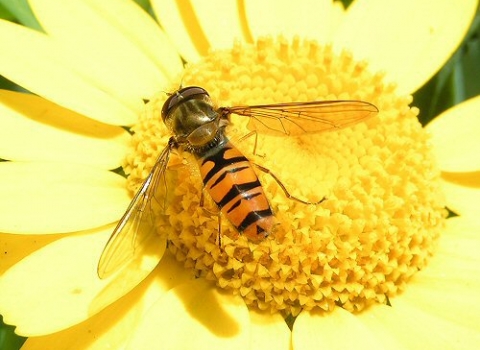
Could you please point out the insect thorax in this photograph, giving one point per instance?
(195, 124)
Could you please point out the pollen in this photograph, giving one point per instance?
(382, 209)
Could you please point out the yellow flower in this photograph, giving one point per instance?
(94, 69)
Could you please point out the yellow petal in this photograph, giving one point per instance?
(448, 287)
(181, 25)
(147, 256)
(16, 247)
(195, 314)
(112, 327)
(371, 318)
(409, 39)
(446, 299)
(269, 331)
(313, 19)
(51, 289)
(336, 330)
(114, 43)
(455, 137)
(412, 328)
(462, 191)
(41, 198)
(35, 129)
(226, 27)
(50, 74)
(460, 239)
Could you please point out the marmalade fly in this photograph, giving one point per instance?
(228, 176)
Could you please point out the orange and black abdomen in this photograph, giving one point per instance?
(230, 180)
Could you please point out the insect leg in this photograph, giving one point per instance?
(202, 200)
(251, 133)
(219, 237)
(217, 213)
(284, 189)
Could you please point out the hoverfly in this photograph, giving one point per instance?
(228, 176)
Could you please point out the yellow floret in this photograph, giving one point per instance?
(383, 210)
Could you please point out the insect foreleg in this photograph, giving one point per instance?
(251, 133)
(218, 214)
(284, 189)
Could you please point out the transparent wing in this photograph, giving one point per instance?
(137, 224)
(297, 118)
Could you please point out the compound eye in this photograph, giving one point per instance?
(184, 94)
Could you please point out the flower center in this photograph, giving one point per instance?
(382, 212)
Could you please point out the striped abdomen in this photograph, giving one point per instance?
(229, 178)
